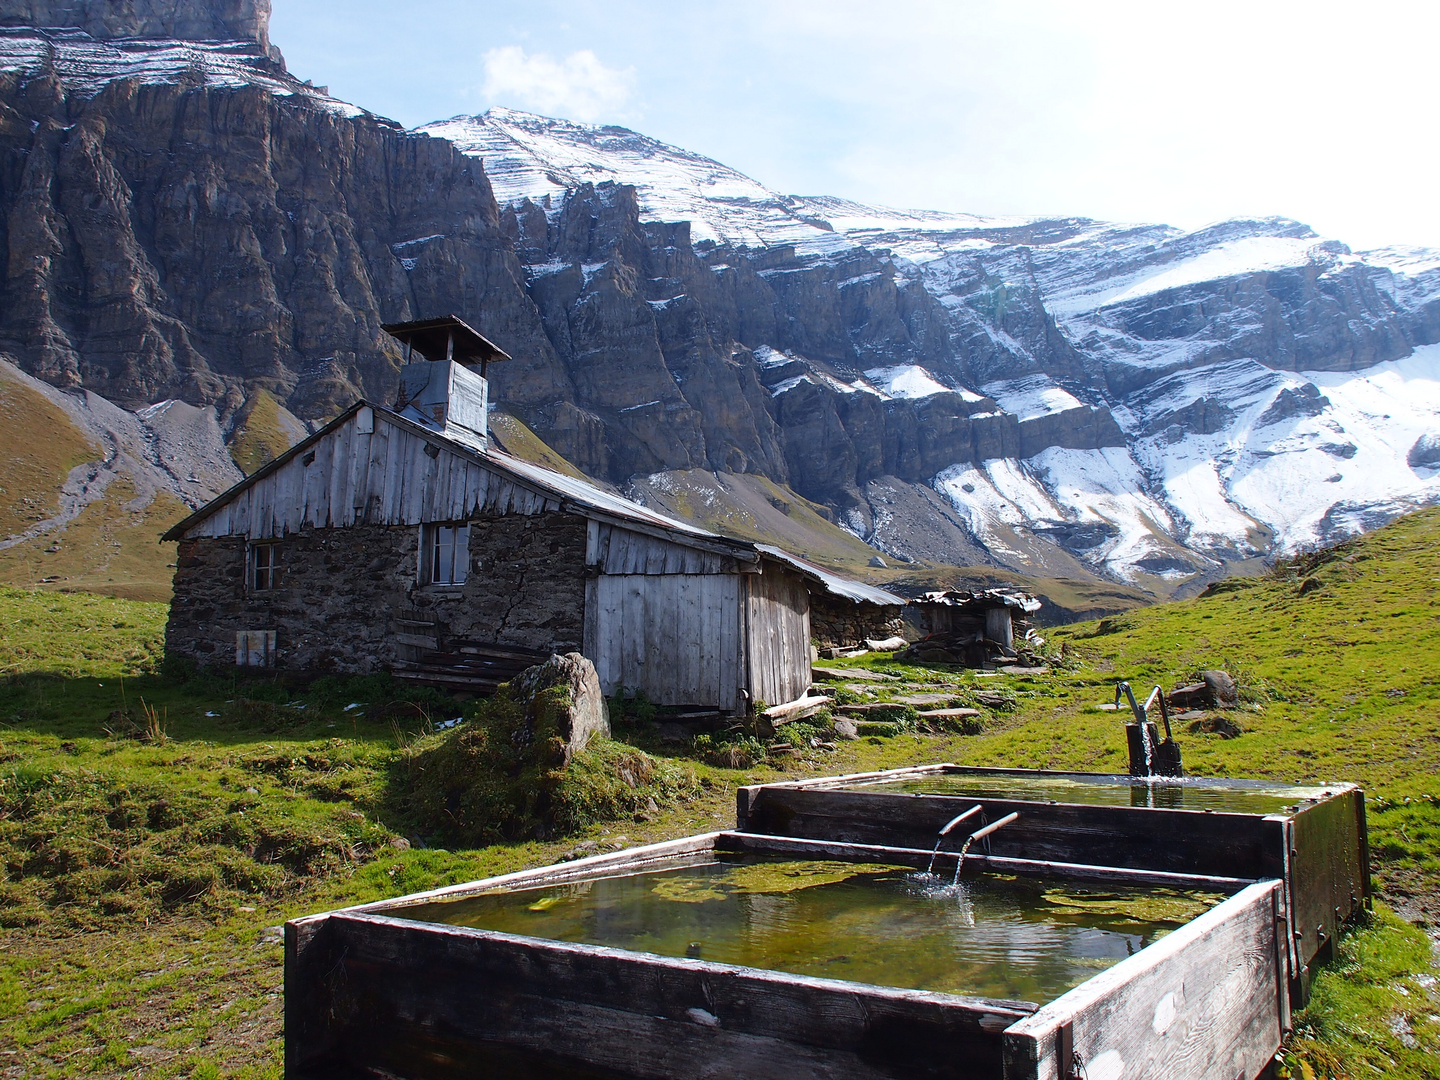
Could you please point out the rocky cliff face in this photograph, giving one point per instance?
(208, 20)
(189, 221)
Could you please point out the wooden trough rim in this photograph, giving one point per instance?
(631, 860)
(1322, 791)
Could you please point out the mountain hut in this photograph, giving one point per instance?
(402, 539)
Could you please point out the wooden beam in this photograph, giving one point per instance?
(796, 710)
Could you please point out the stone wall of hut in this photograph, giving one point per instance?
(841, 623)
(345, 594)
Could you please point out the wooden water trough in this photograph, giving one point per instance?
(371, 992)
(1312, 840)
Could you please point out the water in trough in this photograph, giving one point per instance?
(989, 936)
(1172, 793)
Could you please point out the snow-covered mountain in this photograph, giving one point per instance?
(1272, 389)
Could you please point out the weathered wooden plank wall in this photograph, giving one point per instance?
(616, 550)
(674, 636)
(424, 1000)
(777, 635)
(383, 476)
(1328, 881)
(1207, 1001)
(1186, 842)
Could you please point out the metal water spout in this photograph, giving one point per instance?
(945, 831)
(979, 834)
(1148, 755)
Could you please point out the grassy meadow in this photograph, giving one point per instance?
(156, 828)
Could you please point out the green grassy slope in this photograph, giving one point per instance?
(140, 874)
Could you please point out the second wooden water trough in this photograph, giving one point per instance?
(1312, 839)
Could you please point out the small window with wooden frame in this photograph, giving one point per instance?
(444, 554)
(262, 567)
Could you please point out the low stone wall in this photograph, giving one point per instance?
(835, 621)
(341, 590)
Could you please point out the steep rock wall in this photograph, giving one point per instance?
(192, 20)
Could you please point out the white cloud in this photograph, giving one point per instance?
(577, 87)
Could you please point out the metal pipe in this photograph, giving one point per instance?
(980, 834)
(959, 818)
(1150, 701)
(1124, 687)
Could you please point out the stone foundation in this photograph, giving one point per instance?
(341, 591)
(835, 621)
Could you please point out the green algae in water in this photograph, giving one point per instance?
(992, 936)
(1154, 906)
(778, 878)
(1189, 793)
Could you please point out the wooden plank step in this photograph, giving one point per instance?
(473, 682)
(510, 652)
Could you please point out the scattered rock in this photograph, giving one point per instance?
(995, 701)
(580, 850)
(1425, 454)
(1215, 689)
(877, 562)
(1300, 401)
(1310, 584)
(1222, 688)
(587, 714)
(271, 935)
(846, 729)
(1216, 725)
(399, 843)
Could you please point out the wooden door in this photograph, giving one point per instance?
(674, 636)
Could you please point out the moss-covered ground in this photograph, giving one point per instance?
(154, 830)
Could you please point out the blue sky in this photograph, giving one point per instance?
(1119, 109)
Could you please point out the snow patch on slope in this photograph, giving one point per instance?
(85, 66)
(909, 381)
(1246, 255)
(1102, 492)
(1301, 477)
(1031, 397)
(539, 158)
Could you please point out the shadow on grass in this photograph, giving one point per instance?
(224, 710)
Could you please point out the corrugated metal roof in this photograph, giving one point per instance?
(1011, 598)
(571, 487)
(834, 584)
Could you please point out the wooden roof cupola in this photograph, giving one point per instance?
(439, 386)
